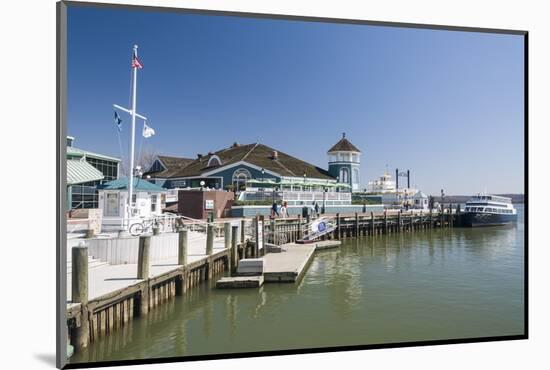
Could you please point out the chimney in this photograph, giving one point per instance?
(275, 155)
(235, 145)
(199, 156)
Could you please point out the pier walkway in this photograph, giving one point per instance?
(107, 278)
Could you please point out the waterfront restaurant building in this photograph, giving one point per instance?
(85, 171)
(259, 173)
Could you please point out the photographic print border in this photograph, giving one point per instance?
(61, 255)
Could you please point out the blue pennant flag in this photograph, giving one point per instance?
(118, 122)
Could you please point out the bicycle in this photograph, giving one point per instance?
(143, 226)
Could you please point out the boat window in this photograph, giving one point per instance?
(479, 209)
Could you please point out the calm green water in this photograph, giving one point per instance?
(459, 283)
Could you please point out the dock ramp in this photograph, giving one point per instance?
(317, 228)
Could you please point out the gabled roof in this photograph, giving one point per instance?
(343, 146)
(79, 172)
(138, 185)
(259, 155)
(171, 164)
(79, 153)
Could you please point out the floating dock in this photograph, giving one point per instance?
(289, 265)
(240, 282)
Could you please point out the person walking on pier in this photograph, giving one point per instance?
(274, 210)
(284, 212)
(316, 208)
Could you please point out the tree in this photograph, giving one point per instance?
(145, 161)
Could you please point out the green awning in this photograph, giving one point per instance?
(79, 172)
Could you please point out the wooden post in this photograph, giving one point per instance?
(441, 216)
(143, 257)
(399, 225)
(256, 253)
(356, 225)
(234, 258)
(385, 221)
(338, 225)
(458, 216)
(450, 215)
(182, 247)
(79, 294)
(227, 235)
(430, 219)
(300, 231)
(243, 225)
(228, 242)
(209, 239)
(89, 233)
(372, 223)
(143, 271)
(272, 227)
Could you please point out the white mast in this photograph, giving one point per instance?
(134, 114)
(132, 137)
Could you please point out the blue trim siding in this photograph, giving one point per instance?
(222, 178)
(334, 170)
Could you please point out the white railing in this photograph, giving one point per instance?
(295, 196)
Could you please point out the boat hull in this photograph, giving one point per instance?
(477, 219)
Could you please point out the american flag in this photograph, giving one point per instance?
(135, 61)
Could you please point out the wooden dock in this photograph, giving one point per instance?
(289, 265)
(103, 299)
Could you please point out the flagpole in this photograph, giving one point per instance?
(132, 138)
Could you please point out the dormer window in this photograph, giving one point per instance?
(214, 161)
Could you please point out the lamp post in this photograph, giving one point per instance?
(202, 183)
(325, 190)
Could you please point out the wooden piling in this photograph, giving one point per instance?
(272, 227)
(79, 294)
(356, 225)
(300, 231)
(210, 239)
(227, 235)
(243, 225)
(234, 256)
(338, 227)
(143, 257)
(182, 247)
(399, 222)
(143, 272)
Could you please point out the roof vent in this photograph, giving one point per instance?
(275, 155)
(235, 145)
(199, 156)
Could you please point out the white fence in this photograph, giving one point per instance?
(296, 196)
(119, 251)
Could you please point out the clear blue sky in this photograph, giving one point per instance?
(446, 105)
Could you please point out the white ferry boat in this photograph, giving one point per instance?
(489, 210)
